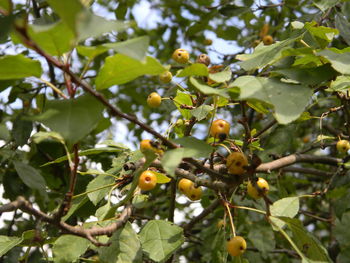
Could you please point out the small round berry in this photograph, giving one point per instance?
(306, 139)
(267, 40)
(194, 193)
(184, 185)
(208, 41)
(203, 59)
(219, 129)
(154, 100)
(181, 56)
(236, 246)
(147, 181)
(261, 184)
(236, 163)
(343, 146)
(166, 77)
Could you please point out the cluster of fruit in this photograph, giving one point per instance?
(236, 162)
(181, 56)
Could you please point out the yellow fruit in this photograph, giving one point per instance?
(343, 146)
(236, 246)
(264, 30)
(166, 77)
(184, 185)
(146, 145)
(267, 40)
(147, 180)
(220, 129)
(203, 59)
(181, 56)
(194, 193)
(207, 42)
(261, 184)
(236, 163)
(154, 100)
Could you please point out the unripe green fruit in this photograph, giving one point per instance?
(166, 77)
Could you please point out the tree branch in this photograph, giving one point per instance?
(24, 205)
(202, 215)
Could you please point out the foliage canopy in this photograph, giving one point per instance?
(74, 86)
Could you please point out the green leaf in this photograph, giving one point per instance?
(262, 238)
(89, 25)
(160, 239)
(76, 204)
(192, 147)
(196, 69)
(120, 69)
(81, 21)
(289, 100)
(207, 90)
(7, 243)
(222, 76)
(140, 201)
(125, 247)
(41, 136)
(21, 130)
(233, 10)
(91, 52)
(323, 35)
(99, 181)
(307, 243)
(323, 5)
(265, 55)
(85, 153)
(343, 25)
(31, 177)
(218, 247)
(56, 39)
(202, 111)
(135, 48)
(340, 84)
(68, 10)
(341, 230)
(183, 98)
(73, 118)
(309, 76)
(287, 207)
(162, 178)
(4, 132)
(68, 248)
(5, 5)
(18, 67)
(339, 59)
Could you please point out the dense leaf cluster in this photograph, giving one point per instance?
(73, 86)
